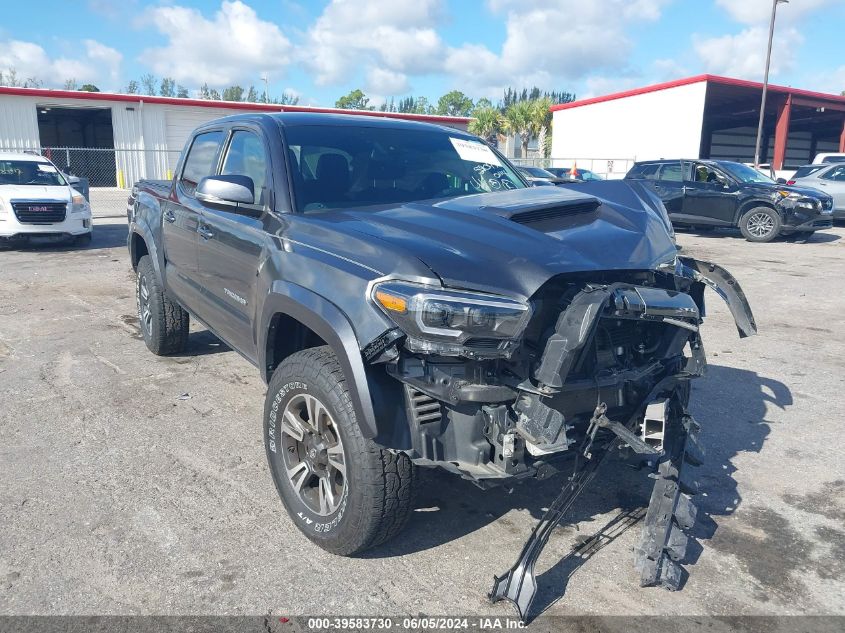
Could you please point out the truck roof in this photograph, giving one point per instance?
(290, 119)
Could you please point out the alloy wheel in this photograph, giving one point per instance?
(313, 455)
(760, 224)
(145, 313)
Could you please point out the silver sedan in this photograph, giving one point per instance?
(829, 178)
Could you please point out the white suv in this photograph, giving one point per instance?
(36, 200)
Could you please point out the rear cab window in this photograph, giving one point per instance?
(201, 160)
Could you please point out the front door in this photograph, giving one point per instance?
(709, 197)
(833, 183)
(181, 216)
(230, 245)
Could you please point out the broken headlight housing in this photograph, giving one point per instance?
(453, 322)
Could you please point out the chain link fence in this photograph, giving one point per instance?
(108, 173)
(608, 168)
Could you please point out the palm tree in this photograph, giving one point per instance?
(520, 119)
(542, 124)
(486, 123)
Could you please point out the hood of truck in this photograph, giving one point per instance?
(34, 192)
(514, 241)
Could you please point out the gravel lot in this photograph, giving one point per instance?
(133, 484)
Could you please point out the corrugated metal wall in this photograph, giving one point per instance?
(19, 123)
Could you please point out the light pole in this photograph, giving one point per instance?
(266, 88)
(775, 4)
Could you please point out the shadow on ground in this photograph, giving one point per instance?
(730, 404)
(816, 237)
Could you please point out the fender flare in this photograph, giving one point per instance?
(330, 324)
(724, 285)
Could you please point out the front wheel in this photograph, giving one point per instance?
(164, 323)
(760, 224)
(341, 490)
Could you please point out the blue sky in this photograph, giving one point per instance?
(322, 49)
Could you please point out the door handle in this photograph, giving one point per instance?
(169, 216)
(205, 232)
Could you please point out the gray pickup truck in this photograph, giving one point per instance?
(411, 301)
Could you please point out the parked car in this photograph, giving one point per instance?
(713, 193)
(583, 175)
(537, 176)
(827, 177)
(828, 157)
(38, 202)
(411, 301)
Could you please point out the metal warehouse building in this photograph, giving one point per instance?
(126, 137)
(702, 117)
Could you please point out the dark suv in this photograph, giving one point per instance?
(709, 193)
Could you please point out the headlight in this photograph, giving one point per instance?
(451, 322)
(80, 204)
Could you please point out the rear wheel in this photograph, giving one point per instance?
(164, 323)
(340, 489)
(760, 224)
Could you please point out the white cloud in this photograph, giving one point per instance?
(96, 63)
(392, 36)
(550, 40)
(235, 46)
(386, 82)
(759, 11)
(743, 55)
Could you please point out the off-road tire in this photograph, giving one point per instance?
(378, 496)
(748, 231)
(84, 239)
(169, 322)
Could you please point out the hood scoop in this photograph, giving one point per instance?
(546, 212)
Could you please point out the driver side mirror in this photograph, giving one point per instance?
(226, 192)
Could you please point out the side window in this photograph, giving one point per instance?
(200, 161)
(246, 157)
(649, 171)
(837, 174)
(672, 172)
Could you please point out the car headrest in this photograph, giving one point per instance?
(334, 168)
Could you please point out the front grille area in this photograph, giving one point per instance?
(37, 212)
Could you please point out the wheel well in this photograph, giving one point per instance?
(288, 336)
(753, 204)
(139, 249)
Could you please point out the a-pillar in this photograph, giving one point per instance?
(782, 133)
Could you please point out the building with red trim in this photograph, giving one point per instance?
(705, 116)
(133, 136)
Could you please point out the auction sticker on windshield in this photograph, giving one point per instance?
(474, 151)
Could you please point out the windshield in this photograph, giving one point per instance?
(744, 173)
(29, 172)
(806, 170)
(345, 166)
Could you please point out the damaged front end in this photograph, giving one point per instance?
(498, 389)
